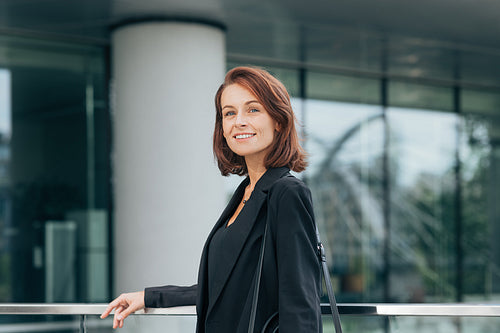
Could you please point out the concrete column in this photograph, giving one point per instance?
(167, 189)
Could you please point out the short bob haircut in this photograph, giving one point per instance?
(272, 94)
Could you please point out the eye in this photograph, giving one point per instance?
(253, 110)
(229, 113)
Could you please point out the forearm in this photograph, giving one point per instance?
(168, 296)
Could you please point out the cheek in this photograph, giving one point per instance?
(225, 131)
(272, 129)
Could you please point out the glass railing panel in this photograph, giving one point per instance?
(39, 323)
(409, 324)
(147, 323)
(413, 324)
(365, 324)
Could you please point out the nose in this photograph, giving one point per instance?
(241, 119)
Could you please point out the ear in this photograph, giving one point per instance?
(277, 127)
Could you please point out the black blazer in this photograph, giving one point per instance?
(290, 280)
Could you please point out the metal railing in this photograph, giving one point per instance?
(359, 309)
(365, 309)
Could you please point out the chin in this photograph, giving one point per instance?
(241, 153)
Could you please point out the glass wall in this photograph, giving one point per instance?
(421, 153)
(403, 136)
(54, 172)
(345, 178)
(479, 150)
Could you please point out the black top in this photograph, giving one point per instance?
(220, 246)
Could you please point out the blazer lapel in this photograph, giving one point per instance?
(247, 218)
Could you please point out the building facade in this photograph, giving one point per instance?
(107, 179)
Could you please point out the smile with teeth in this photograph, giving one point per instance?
(244, 136)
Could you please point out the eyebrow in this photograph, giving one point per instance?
(246, 103)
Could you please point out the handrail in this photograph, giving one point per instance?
(365, 309)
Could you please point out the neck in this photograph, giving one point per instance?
(255, 171)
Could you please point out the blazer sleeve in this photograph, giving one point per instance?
(298, 264)
(168, 296)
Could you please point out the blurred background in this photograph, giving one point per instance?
(108, 184)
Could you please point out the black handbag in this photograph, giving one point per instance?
(272, 324)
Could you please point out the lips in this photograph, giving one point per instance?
(244, 135)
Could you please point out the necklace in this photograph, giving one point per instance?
(245, 200)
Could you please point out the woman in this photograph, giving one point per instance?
(254, 136)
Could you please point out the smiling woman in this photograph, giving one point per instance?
(268, 223)
(256, 91)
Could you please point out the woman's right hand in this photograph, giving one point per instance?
(124, 305)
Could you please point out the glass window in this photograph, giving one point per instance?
(480, 67)
(342, 88)
(480, 156)
(412, 95)
(290, 78)
(441, 167)
(345, 143)
(343, 48)
(54, 172)
(417, 58)
(271, 39)
(479, 102)
(422, 205)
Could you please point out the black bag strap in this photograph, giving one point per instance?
(253, 312)
(326, 275)
(328, 283)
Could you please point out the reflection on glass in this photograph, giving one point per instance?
(480, 153)
(480, 66)
(148, 323)
(264, 38)
(422, 160)
(414, 57)
(345, 146)
(53, 242)
(5, 202)
(480, 102)
(342, 88)
(411, 95)
(442, 324)
(343, 47)
(5, 103)
(356, 324)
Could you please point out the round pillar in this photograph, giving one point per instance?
(168, 191)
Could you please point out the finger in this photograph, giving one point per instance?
(117, 316)
(121, 322)
(125, 313)
(110, 307)
(107, 311)
(116, 321)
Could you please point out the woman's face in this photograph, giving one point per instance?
(248, 128)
